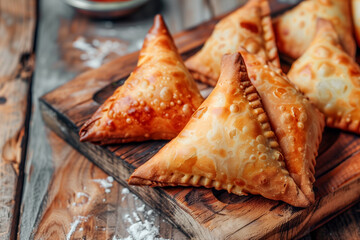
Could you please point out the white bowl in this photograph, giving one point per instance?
(105, 9)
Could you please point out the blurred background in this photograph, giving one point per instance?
(100, 32)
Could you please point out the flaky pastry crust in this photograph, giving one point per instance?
(155, 102)
(297, 123)
(249, 27)
(295, 29)
(330, 78)
(227, 144)
(355, 8)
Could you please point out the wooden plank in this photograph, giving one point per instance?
(345, 226)
(204, 213)
(84, 203)
(17, 24)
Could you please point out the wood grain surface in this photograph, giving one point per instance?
(204, 213)
(83, 202)
(17, 24)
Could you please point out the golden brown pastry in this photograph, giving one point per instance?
(330, 78)
(355, 6)
(155, 102)
(227, 144)
(249, 27)
(295, 29)
(297, 123)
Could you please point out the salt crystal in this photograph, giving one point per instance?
(94, 53)
(125, 191)
(136, 216)
(127, 218)
(110, 179)
(141, 208)
(82, 194)
(140, 230)
(105, 183)
(96, 43)
(84, 57)
(74, 225)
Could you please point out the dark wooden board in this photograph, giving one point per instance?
(204, 213)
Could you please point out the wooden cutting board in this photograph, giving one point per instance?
(204, 213)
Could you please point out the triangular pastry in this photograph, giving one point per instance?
(227, 144)
(155, 102)
(330, 78)
(355, 6)
(297, 124)
(249, 27)
(295, 29)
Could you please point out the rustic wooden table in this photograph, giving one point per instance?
(47, 189)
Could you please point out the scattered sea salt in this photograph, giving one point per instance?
(94, 53)
(125, 191)
(127, 218)
(143, 231)
(74, 225)
(96, 43)
(141, 208)
(105, 183)
(140, 229)
(82, 194)
(136, 216)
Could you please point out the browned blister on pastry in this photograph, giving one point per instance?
(155, 102)
(330, 78)
(295, 29)
(296, 122)
(249, 27)
(227, 144)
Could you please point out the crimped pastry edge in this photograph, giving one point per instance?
(344, 123)
(203, 76)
